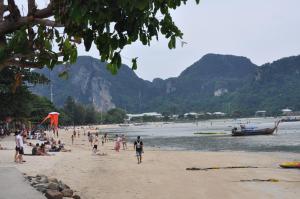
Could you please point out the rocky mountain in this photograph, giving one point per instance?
(89, 82)
(214, 83)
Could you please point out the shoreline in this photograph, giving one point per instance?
(163, 172)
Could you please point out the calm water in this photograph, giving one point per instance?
(180, 136)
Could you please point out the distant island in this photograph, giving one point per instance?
(224, 83)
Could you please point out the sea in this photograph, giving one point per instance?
(213, 135)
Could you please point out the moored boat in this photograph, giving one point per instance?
(244, 131)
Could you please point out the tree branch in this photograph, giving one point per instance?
(24, 64)
(47, 22)
(11, 26)
(13, 10)
(46, 12)
(31, 7)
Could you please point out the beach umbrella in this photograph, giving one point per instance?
(53, 116)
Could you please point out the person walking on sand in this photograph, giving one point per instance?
(118, 143)
(124, 142)
(72, 137)
(96, 143)
(102, 139)
(90, 138)
(139, 148)
(19, 148)
(105, 137)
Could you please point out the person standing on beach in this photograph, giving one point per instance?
(90, 138)
(118, 143)
(124, 142)
(19, 148)
(96, 143)
(102, 139)
(105, 137)
(72, 137)
(139, 148)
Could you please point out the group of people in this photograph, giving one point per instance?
(43, 145)
(119, 141)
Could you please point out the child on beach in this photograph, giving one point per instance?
(138, 146)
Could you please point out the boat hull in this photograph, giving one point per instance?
(267, 131)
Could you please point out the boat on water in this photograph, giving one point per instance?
(139, 124)
(123, 125)
(249, 131)
(289, 119)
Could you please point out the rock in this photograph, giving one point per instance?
(76, 197)
(67, 192)
(44, 180)
(62, 186)
(53, 194)
(41, 187)
(53, 180)
(33, 183)
(53, 186)
(41, 176)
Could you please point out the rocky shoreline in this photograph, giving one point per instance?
(51, 187)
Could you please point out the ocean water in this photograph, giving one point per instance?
(214, 135)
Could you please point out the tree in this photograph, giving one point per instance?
(115, 115)
(16, 100)
(28, 41)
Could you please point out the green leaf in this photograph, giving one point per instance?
(134, 63)
(172, 42)
(64, 75)
(88, 39)
(141, 4)
(73, 55)
(112, 68)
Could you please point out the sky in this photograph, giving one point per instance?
(262, 30)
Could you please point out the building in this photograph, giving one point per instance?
(287, 111)
(219, 114)
(151, 114)
(260, 113)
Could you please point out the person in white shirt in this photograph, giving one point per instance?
(19, 148)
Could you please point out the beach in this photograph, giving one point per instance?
(162, 174)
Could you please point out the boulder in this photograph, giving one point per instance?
(44, 180)
(41, 187)
(53, 194)
(53, 186)
(76, 197)
(53, 180)
(67, 192)
(62, 186)
(33, 183)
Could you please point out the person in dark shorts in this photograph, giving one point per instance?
(19, 148)
(96, 143)
(138, 146)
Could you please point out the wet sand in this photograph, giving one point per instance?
(163, 174)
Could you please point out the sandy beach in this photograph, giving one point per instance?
(162, 175)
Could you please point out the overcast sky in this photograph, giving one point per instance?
(262, 30)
